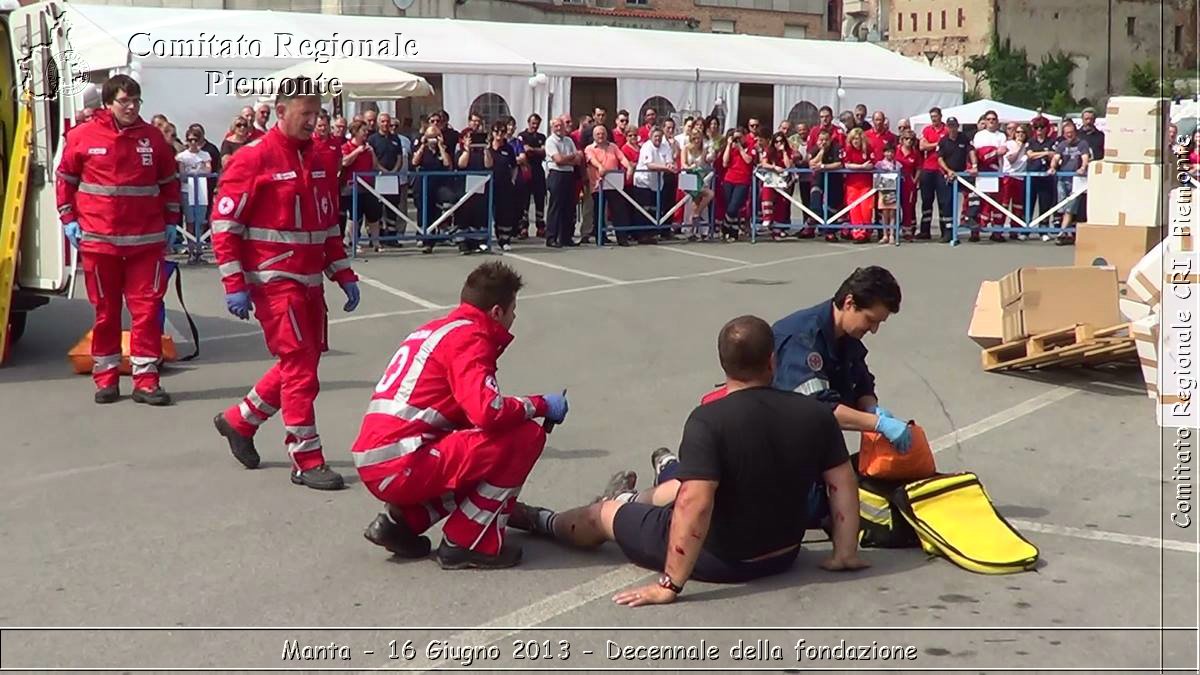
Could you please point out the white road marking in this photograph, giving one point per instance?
(1102, 535)
(561, 268)
(545, 609)
(55, 475)
(684, 251)
(397, 292)
(610, 283)
(1003, 417)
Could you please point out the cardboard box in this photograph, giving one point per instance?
(1119, 247)
(1135, 129)
(987, 328)
(1148, 276)
(1124, 194)
(1041, 299)
(1145, 336)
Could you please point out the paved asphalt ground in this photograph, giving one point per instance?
(130, 516)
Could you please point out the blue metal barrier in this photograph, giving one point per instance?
(660, 219)
(1027, 226)
(194, 231)
(425, 227)
(825, 221)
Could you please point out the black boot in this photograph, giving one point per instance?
(241, 446)
(452, 557)
(395, 536)
(319, 478)
(108, 395)
(157, 397)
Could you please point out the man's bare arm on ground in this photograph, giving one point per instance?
(843, 506)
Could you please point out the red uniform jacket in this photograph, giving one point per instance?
(275, 218)
(877, 142)
(122, 185)
(443, 378)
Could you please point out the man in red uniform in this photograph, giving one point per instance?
(932, 181)
(118, 200)
(439, 439)
(879, 136)
(274, 233)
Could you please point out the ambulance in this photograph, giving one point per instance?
(42, 85)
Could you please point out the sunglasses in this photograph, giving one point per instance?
(240, 125)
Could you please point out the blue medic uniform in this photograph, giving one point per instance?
(811, 360)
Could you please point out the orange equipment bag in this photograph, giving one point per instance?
(878, 458)
(81, 354)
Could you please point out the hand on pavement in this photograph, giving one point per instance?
(848, 563)
(650, 594)
(896, 431)
(73, 232)
(239, 304)
(556, 405)
(352, 296)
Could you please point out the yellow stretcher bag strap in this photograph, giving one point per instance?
(954, 518)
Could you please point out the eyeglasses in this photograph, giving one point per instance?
(239, 125)
(128, 102)
(193, 140)
(991, 119)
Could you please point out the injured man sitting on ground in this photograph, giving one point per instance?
(733, 507)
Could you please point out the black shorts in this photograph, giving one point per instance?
(642, 531)
(368, 205)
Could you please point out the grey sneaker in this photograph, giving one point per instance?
(621, 481)
(660, 458)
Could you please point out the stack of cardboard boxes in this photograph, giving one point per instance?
(1125, 188)
(1034, 300)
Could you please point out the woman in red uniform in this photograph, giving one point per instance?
(909, 159)
(858, 157)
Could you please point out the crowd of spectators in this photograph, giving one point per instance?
(662, 180)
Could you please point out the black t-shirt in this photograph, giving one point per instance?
(534, 141)
(388, 149)
(503, 163)
(1039, 146)
(765, 448)
(956, 151)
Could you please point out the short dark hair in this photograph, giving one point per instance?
(491, 284)
(825, 108)
(118, 83)
(196, 127)
(744, 347)
(935, 109)
(622, 111)
(533, 117)
(296, 87)
(870, 286)
(323, 116)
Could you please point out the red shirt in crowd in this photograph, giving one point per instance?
(835, 134)
(739, 170)
(643, 133)
(933, 134)
(852, 155)
(618, 138)
(909, 163)
(364, 162)
(877, 141)
(631, 153)
(330, 142)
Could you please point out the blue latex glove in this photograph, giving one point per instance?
(882, 412)
(239, 304)
(73, 232)
(896, 431)
(172, 237)
(352, 296)
(557, 407)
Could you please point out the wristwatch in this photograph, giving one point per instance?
(665, 582)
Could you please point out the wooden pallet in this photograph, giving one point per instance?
(1078, 345)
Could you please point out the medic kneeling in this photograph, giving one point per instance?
(439, 439)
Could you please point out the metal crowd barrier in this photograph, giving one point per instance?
(825, 221)
(470, 183)
(614, 181)
(194, 232)
(968, 180)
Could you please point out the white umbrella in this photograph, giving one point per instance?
(359, 79)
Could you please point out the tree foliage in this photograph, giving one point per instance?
(1014, 80)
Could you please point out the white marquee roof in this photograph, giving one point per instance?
(481, 47)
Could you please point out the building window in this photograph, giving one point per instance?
(795, 31)
(724, 26)
(491, 107)
(899, 21)
(803, 113)
(637, 3)
(1178, 38)
(943, 19)
(833, 16)
(913, 16)
(663, 108)
(962, 17)
(928, 21)
(1130, 25)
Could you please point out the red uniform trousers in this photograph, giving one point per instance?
(138, 279)
(472, 476)
(294, 325)
(1012, 197)
(908, 202)
(862, 213)
(775, 207)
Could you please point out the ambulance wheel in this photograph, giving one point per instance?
(16, 327)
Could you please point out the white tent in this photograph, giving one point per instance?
(191, 74)
(359, 79)
(969, 113)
